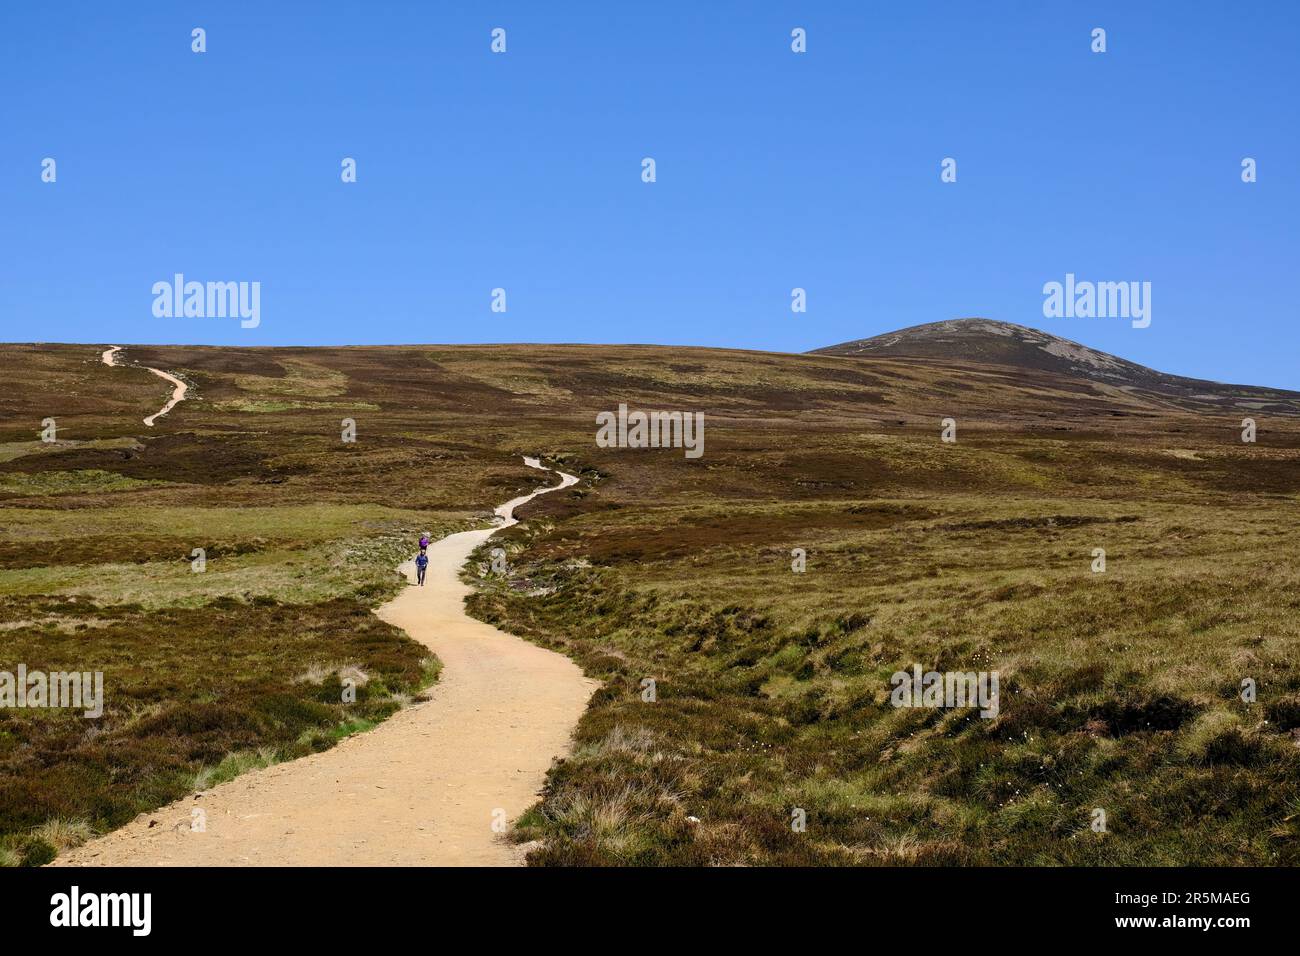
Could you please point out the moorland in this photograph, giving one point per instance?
(1121, 689)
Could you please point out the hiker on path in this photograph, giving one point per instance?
(421, 564)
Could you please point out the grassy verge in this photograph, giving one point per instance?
(206, 674)
(192, 697)
(1120, 691)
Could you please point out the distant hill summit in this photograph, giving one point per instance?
(963, 342)
(1002, 343)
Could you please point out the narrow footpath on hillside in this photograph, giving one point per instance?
(422, 788)
(179, 388)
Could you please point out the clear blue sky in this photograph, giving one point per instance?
(775, 170)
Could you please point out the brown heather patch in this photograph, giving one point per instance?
(126, 548)
(183, 689)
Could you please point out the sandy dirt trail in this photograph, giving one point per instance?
(422, 788)
(179, 388)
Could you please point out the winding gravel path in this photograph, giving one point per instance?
(424, 787)
(179, 388)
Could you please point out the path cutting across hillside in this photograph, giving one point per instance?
(422, 788)
(179, 388)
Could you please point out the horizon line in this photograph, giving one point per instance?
(811, 353)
